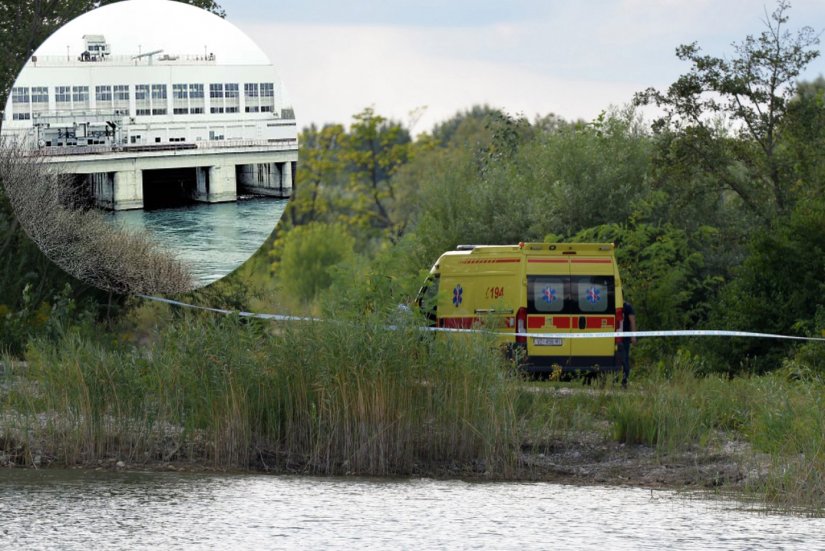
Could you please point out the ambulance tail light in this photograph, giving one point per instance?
(521, 325)
(618, 325)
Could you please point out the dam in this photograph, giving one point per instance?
(139, 127)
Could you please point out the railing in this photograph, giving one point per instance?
(66, 151)
(120, 60)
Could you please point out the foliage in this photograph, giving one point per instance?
(326, 398)
(778, 289)
(80, 240)
(309, 253)
(753, 89)
(25, 25)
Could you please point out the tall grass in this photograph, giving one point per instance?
(314, 397)
(780, 418)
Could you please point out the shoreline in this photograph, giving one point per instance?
(587, 462)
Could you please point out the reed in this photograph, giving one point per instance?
(316, 397)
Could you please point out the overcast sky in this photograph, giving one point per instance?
(571, 58)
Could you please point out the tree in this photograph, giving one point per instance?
(753, 90)
(24, 25)
(309, 254)
(804, 132)
(376, 148)
(321, 168)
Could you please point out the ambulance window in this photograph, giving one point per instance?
(546, 294)
(593, 294)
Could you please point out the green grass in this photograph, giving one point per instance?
(316, 397)
(337, 398)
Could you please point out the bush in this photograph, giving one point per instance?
(309, 254)
(79, 240)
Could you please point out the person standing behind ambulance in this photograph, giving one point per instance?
(628, 324)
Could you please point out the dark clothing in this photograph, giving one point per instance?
(627, 310)
(624, 346)
(624, 356)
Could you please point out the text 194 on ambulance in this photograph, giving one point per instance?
(532, 294)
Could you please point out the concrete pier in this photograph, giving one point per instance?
(272, 179)
(117, 180)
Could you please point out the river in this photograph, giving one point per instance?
(54, 509)
(214, 239)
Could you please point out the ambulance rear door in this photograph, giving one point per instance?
(593, 307)
(548, 282)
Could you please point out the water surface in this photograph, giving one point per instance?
(104, 510)
(213, 239)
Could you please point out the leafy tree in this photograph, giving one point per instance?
(29, 281)
(778, 289)
(24, 25)
(321, 169)
(804, 133)
(309, 254)
(376, 148)
(753, 90)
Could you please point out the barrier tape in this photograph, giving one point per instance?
(600, 335)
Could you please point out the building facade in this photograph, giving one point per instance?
(115, 118)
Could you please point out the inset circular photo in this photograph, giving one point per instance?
(149, 146)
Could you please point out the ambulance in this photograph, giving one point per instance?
(544, 289)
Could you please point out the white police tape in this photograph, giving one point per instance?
(273, 317)
(600, 335)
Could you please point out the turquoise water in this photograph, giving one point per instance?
(213, 239)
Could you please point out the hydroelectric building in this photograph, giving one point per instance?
(143, 128)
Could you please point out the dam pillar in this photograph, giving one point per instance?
(215, 184)
(127, 190)
(102, 189)
(286, 179)
(222, 184)
(201, 184)
(263, 179)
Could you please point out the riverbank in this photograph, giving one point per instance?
(578, 459)
(574, 457)
(355, 399)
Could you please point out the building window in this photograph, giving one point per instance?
(142, 103)
(231, 94)
(20, 103)
(267, 97)
(196, 91)
(179, 91)
(196, 101)
(20, 96)
(121, 92)
(80, 97)
(62, 94)
(180, 99)
(40, 94)
(103, 93)
(158, 99)
(216, 98)
(121, 97)
(40, 99)
(250, 92)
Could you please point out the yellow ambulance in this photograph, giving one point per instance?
(546, 289)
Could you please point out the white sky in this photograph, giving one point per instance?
(570, 58)
(149, 25)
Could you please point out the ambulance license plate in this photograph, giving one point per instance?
(545, 341)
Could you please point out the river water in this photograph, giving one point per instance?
(105, 510)
(214, 239)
